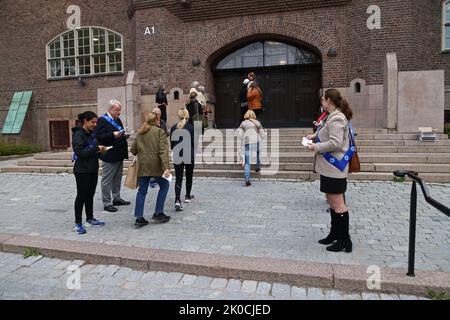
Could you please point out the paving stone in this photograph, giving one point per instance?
(407, 297)
(370, 296)
(281, 291)
(234, 285)
(218, 283)
(173, 278)
(249, 286)
(188, 279)
(298, 293)
(315, 294)
(202, 282)
(263, 288)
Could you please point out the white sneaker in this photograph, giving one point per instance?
(178, 207)
(188, 199)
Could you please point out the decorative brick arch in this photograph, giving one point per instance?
(304, 34)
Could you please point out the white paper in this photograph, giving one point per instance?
(306, 142)
(109, 148)
(169, 178)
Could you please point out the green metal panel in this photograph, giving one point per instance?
(21, 112)
(17, 112)
(12, 113)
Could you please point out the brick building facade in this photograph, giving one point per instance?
(175, 42)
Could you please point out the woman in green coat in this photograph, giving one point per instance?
(152, 150)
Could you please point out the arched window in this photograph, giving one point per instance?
(176, 95)
(357, 87)
(83, 52)
(266, 54)
(446, 26)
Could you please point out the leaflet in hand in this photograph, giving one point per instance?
(169, 178)
(109, 148)
(306, 142)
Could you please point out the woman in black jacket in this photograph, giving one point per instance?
(183, 156)
(85, 155)
(193, 106)
(161, 100)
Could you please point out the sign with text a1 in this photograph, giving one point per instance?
(149, 31)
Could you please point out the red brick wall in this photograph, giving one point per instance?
(26, 29)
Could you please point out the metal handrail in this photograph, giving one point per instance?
(413, 212)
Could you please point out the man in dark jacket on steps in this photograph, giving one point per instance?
(111, 132)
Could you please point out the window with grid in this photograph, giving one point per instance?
(446, 26)
(267, 54)
(83, 52)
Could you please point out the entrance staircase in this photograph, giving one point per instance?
(284, 157)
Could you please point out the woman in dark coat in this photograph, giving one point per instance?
(183, 158)
(86, 152)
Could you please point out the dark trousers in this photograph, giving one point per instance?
(243, 112)
(258, 113)
(86, 184)
(163, 112)
(179, 169)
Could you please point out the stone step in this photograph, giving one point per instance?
(305, 166)
(363, 136)
(303, 157)
(359, 142)
(264, 175)
(404, 149)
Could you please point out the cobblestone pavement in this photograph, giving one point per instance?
(269, 219)
(45, 278)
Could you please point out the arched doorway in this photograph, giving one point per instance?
(289, 76)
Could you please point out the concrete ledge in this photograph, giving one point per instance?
(292, 272)
(16, 156)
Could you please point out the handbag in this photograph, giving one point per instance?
(131, 180)
(354, 165)
(199, 117)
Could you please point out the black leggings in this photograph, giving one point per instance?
(179, 169)
(86, 184)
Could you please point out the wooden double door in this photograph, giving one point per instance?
(290, 95)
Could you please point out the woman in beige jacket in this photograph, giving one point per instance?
(331, 162)
(152, 150)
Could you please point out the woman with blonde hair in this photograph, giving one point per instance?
(182, 144)
(152, 151)
(334, 149)
(250, 133)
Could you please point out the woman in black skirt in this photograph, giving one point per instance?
(331, 162)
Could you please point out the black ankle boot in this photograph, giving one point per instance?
(332, 236)
(343, 241)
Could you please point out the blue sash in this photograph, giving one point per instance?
(341, 164)
(93, 144)
(112, 121)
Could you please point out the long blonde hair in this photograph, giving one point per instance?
(150, 120)
(183, 114)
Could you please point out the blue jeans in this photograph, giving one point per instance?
(142, 193)
(249, 148)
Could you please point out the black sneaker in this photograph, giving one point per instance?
(257, 170)
(140, 222)
(110, 208)
(178, 206)
(121, 202)
(160, 217)
(248, 183)
(188, 199)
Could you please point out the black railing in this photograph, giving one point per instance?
(413, 212)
